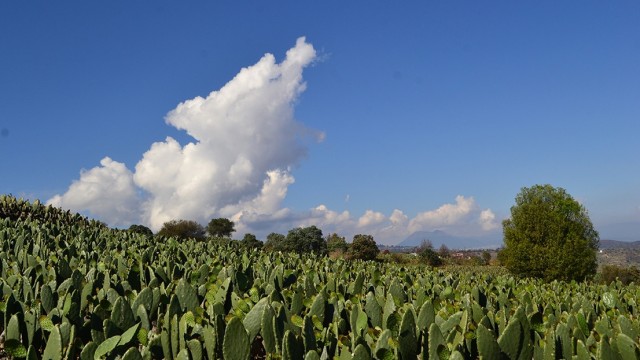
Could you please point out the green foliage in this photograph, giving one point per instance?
(626, 275)
(250, 241)
(182, 229)
(304, 240)
(486, 257)
(236, 341)
(549, 236)
(444, 251)
(363, 247)
(72, 290)
(428, 255)
(275, 242)
(336, 243)
(220, 227)
(140, 229)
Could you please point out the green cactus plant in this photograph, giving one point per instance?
(408, 341)
(361, 353)
(308, 334)
(253, 320)
(53, 350)
(627, 348)
(437, 345)
(426, 316)
(488, 347)
(195, 349)
(236, 345)
(373, 310)
(292, 348)
(268, 330)
(187, 296)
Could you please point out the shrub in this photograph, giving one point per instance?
(626, 275)
(363, 247)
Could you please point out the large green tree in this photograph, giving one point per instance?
(549, 236)
(336, 243)
(428, 255)
(140, 229)
(305, 240)
(220, 227)
(275, 242)
(182, 229)
(250, 241)
(363, 247)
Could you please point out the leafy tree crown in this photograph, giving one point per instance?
(549, 236)
(364, 247)
(183, 229)
(220, 227)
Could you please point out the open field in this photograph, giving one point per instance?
(74, 288)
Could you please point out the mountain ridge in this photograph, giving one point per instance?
(491, 241)
(439, 238)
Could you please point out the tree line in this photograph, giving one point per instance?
(549, 235)
(299, 240)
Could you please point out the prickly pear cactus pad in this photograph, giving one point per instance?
(71, 287)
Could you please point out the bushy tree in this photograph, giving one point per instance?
(183, 229)
(626, 275)
(220, 227)
(305, 240)
(250, 241)
(363, 247)
(336, 243)
(486, 257)
(443, 251)
(549, 236)
(275, 242)
(140, 229)
(427, 254)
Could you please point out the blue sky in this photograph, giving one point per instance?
(408, 115)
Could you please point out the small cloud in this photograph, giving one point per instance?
(398, 218)
(106, 192)
(487, 220)
(445, 215)
(370, 218)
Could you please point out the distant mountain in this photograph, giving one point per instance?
(493, 241)
(615, 244)
(439, 237)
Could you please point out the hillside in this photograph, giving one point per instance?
(615, 244)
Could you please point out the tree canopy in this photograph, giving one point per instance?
(220, 227)
(140, 229)
(428, 255)
(182, 229)
(275, 242)
(305, 240)
(363, 247)
(250, 241)
(549, 236)
(336, 243)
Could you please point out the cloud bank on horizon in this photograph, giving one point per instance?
(246, 139)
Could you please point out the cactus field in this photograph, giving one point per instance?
(73, 288)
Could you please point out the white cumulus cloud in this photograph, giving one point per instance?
(107, 191)
(445, 215)
(487, 220)
(245, 141)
